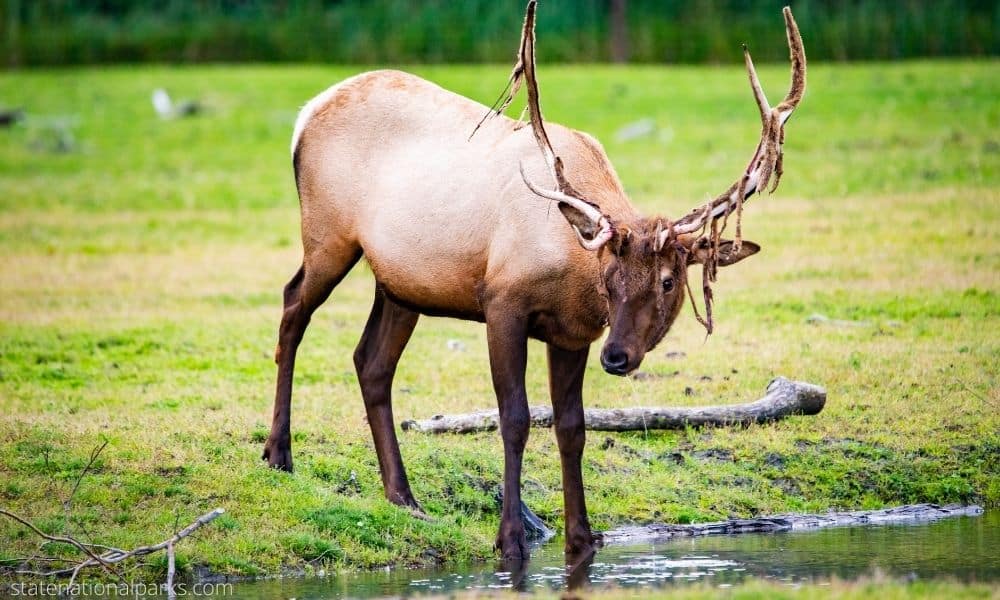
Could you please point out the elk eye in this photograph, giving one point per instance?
(668, 284)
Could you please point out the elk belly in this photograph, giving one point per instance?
(429, 275)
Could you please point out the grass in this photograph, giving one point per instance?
(143, 263)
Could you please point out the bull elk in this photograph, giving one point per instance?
(460, 226)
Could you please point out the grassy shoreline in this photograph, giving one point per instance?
(141, 290)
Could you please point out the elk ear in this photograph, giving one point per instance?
(728, 257)
(700, 251)
(585, 225)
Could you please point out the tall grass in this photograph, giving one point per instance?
(53, 32)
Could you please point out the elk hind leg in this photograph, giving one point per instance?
(386, 334)
(306, 291)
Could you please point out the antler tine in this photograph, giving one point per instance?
(527, 60)
(758, 92)
(588, 209)
(524, 70)
(798, 58)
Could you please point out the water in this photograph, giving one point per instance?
(963, 548)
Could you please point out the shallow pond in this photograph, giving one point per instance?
(963, 548)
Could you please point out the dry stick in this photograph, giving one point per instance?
(171, 594)
(783, 398)
(114, 555)
(68, 504)
(76, 571)
(61, 539)
(197, 524)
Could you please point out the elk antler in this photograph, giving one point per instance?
(767, 159)
(590, 217)
(765, 165)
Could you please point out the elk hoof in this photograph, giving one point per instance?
(418, 513)
(512, 546)
(581, 542)
(406, 500)
(278, 455)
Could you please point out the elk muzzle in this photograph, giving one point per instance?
(619, 359)
(614, 359)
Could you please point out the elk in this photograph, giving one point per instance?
(460, 226)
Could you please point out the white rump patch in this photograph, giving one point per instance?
(310, 108)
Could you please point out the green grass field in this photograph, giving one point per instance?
(143, 262)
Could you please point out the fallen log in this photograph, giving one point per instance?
(912, 513)
(784, 398)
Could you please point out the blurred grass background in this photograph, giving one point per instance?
(59, 32)
(142, 262)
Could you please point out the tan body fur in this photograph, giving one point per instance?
(445, 221)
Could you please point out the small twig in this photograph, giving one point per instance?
(974, 393)
(318, 558)
(171, 594)
(34, 573)
(198, 523)
(93, 457)
(44, 559)
(76, 571)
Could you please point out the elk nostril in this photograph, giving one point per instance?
(615, 360)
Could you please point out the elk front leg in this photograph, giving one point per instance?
(566, 370)
(508, 344)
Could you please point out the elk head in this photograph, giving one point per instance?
(644, 263)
